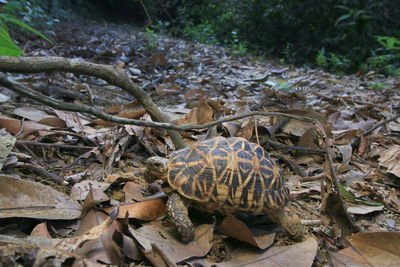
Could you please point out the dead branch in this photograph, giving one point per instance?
(356, 141)
(25, 91)
(33, 143)
(111, 74)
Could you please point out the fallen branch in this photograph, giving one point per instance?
(33, 143)
(356, 141)
(111, 74)
(25, 91)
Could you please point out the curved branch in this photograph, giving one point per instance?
(25, 91)
(111, 74)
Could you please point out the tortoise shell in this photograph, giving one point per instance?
(228, 175)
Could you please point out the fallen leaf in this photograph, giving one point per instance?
(363, 209)
(299, 127)
(239, 230)
(246, 129)
(340, 260)
(73, 120)
(162, 248)
(133, 191)
(14, 126)
(148, 210)
(39, 116)
(41, 230)
(297, 255)
(200, 114)
(390, 160)
(128, 246)
(377, 248)
(23, 198)
(80, 190)
(93, 238)
(347, 257)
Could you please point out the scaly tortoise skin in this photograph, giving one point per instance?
(226, 175)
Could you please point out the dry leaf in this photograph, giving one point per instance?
(162, 248)
(239, 230)
(93, 239)
(133, 191)
(297, 255)
(23, 198)
(39, 116)
(363, 209)
(390, 159)
(347, 257)
(14, 126)
(200, 114)
(41, 230)
(148, 210)
(377, 248)
(80, 190)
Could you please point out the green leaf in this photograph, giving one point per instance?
(7, 46)
(25, 26)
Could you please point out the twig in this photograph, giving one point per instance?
(312, 178)
(24, 90)
(256, 130)
(111, 74)
(291, 164)
(265, 139)
(147, 15)
(380, 125)
(41, 171)
(356, 141)
(334, 196)
(311, 222)
(33, 143)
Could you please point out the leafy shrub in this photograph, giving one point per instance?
(16, 12)
(339, 34)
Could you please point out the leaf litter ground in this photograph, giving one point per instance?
(99, 164)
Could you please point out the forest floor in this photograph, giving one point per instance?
(75, 168)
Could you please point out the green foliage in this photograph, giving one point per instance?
(295, 30)
(238, 47)
(378, 85)
(203, 33)
(332, 62)
(151, 39)
(7, 46)
(12, 9)
(386, 58)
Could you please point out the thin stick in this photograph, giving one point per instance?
(33, 143)
(256, 130)
(24, 90)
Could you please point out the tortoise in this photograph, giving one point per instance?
(225, 175)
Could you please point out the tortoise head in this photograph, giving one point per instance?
(156, 169)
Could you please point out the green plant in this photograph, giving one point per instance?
(151, 39)
(378, 85)
(7, 46)
(332, 62)
(203, 33)
(386, 58)
(292, 29)
(238, 47)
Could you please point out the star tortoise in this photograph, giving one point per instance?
(225, 175)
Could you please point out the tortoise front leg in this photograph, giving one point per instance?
(177, 211)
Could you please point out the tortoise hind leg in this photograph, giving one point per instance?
(178, 213)
(289, 222)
